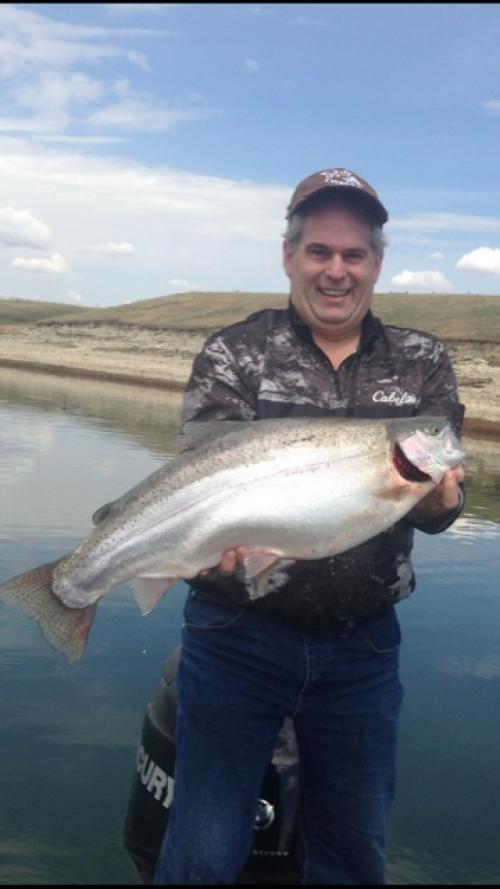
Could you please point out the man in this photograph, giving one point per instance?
(322, 645)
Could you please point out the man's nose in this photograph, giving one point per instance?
(335, 267)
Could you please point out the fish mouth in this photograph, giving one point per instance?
(406, 468)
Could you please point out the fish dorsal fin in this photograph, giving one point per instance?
(149, 590)
(102, 513)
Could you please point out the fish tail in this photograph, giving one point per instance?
(66, 629)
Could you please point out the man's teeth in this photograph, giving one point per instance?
(334, 292)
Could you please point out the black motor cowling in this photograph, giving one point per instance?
(275, 854)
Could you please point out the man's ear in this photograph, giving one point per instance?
(287, 258)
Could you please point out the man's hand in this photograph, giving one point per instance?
(230, 560)
(445, 496)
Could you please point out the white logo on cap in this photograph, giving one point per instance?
(340, 177)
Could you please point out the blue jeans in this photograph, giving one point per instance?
(240, 674)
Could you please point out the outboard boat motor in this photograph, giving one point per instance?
(275, 855)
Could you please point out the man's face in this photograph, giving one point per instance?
(332, 272)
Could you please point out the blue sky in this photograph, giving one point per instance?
(150, 149)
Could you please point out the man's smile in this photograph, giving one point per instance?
(334, 292)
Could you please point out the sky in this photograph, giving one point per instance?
(150, 149)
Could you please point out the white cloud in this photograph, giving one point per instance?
(19, 228)
(170, 216)
(126, 9)
(47, 98)
(437, 256)
(182, 284)
(81, 140)
(255, 9)
(75, 297)
(113, 248)
(54, 102)
(306, 21)
(191, 258)
(53, 91)
(34, 125)
(426, 280)
(252, 65)
(56, 265)
(445, 221)
(31, 41)
(144, 114)
(485, 260)
(491, 105)
(86, 192)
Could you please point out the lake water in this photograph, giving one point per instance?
(70, 731)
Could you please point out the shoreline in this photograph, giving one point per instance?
(162, 359)
(104, 376)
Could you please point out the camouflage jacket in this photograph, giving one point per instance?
(269, 366)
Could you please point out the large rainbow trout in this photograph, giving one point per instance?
(298, 488)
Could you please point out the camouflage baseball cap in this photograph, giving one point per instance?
(337, 177)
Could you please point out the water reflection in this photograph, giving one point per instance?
(19, 443)
(148, 416)
(469, 529)
(482, 467)
(484, 666)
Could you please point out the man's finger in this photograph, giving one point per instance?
(448, 489)
(228, 562)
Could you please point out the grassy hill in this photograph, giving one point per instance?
(452, 317)
(182, 311)
(29, 311)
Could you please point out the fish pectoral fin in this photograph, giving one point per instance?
(258, 566)
(259, 561)
(149, 589)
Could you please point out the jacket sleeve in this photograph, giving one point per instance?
(218, 388)
(439, 395)
(440, 398)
